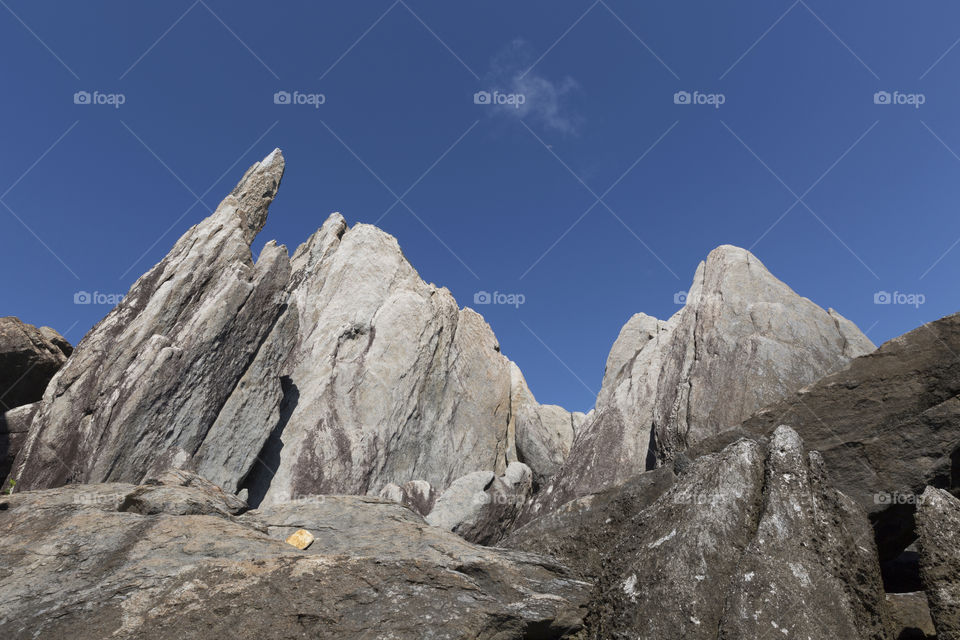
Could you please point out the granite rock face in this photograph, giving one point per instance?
(545, 432)
(335, 371)
(29, 358)
(743, 340)
(938, 524)
(749, 542)
(174, 561)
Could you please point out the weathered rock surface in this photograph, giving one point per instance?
(938, 524)
(743, 340)
(582, 532)
(887, 426)
(14, 426)
(79, 563)
(29, 357)
(480, 507)
(748, 543)
(335, 371)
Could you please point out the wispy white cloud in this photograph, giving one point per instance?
(520, 92)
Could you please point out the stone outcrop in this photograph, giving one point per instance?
(749, 542)
(143, 388)
(480, 507)
(172, 561)
(938, 524)
(887, 426)
(743, 340)
(335, 371)
(29, 357)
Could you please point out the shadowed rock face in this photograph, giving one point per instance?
(938, 523)
(29, 358)
(748, 543)
(335, 371)
(173, 560)
(743, 340)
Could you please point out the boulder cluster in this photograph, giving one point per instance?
(323, 445)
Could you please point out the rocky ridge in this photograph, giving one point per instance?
(335, 371)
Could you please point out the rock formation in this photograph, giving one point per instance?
(743, 340)
(335, 371)
(749, 542)
(938, 524)
(173, 560)
(887, 426)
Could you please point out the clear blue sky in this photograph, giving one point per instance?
(102, 193)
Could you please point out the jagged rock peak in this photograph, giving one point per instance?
(742, 340)
(338, 370)
(254, 193)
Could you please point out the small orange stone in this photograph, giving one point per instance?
(301, 539)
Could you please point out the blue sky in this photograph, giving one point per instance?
(594, 199)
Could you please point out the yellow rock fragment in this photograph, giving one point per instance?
(301, 539)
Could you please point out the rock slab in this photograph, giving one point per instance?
(79, 563)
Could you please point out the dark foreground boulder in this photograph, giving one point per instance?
(749, 542)
(175, 561)
(938, 523)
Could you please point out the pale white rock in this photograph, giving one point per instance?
(545, 432)
(481, 507)
(338, 370)
(743, 340)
